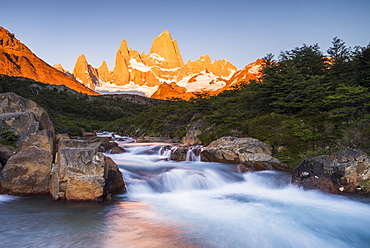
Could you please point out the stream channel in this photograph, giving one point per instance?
(189, 204)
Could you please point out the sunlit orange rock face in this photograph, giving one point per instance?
(250, 72)
(163, 69)
(167, 91)
(17, 60)
(85, 72)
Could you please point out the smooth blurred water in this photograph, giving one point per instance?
(189, 204)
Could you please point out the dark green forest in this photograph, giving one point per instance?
(306, 103)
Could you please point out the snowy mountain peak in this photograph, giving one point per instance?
(158, 74)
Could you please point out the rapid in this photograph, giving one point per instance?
(189, 204)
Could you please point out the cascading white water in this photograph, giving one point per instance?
(148, 171)
(193, 153)
(218, 207)
(165, 151)
(189, 204)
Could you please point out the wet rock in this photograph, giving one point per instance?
(107, 145)
(247, 151)
(186, 153)
(243, 168)
(238, 145)
(261, 161)
(345, 171)
(179, 153)
(114, 183)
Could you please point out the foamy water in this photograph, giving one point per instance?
(221, 208)
(189, 204)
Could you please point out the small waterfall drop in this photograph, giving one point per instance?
(165, 152)
(149, 169)
(193, 153)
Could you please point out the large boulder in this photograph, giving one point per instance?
(83, 173)
(248, 151)
(28, 172)
(345, 171)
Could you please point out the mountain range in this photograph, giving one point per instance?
(161, 74)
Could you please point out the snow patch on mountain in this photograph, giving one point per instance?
(157, 57)
(205, 81)
(255, 69)
(131, 88)
(138, 65)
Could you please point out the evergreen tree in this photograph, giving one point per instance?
(341, 64)
(339, 52)
(362, 66)
(296, 84)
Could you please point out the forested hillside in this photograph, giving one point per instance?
(307, 103)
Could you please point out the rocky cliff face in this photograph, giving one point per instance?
(248, 73)
(84, 72)
(17, 60)
(164, 53)
(162, 73)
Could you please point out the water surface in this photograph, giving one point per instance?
(189, 204)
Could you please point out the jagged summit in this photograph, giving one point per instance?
(17, 60)
(161, 73)
(85, 72)
(166, 48)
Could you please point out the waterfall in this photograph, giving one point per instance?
(165, 151)
(193, 153)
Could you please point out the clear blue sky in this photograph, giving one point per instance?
(236, 30)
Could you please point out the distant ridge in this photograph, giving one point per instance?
(17, 60)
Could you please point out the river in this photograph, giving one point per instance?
(189, 204)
